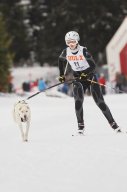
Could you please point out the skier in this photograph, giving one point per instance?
(83, 67)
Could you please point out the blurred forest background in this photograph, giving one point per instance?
(32, 31)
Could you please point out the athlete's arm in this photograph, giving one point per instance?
(90, 60)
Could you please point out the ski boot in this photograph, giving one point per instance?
(80, 131)
(81, 128)
(117, 129)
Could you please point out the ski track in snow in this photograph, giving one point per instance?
(54, 161)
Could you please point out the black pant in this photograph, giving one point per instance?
(79, 88)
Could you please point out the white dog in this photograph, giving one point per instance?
(22, 116)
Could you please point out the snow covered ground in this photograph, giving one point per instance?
(53, 160)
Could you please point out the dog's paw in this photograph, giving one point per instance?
(25, 140)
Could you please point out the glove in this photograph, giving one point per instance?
(61, 78)
(83, 76)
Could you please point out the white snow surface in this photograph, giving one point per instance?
(54, 161)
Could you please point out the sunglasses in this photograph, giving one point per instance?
(71, 42)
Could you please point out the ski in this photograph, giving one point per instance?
(78, 135)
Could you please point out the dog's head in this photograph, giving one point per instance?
(23, 112)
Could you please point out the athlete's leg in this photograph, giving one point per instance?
(99, 100)
(79, 98)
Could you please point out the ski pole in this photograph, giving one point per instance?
(66, 68)
(120, 91)
(50, 88)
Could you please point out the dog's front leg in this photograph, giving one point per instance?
(21, 129)
(26, 132)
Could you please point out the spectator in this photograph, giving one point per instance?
(41, 84)
(119, 82)
(125, 83)
(26, 86)
(65, 88)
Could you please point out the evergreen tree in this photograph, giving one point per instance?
(38, 14)
(41, 26)
(5, 57)
(16, 22)
(95, 20)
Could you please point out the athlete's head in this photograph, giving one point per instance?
(72, 38)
